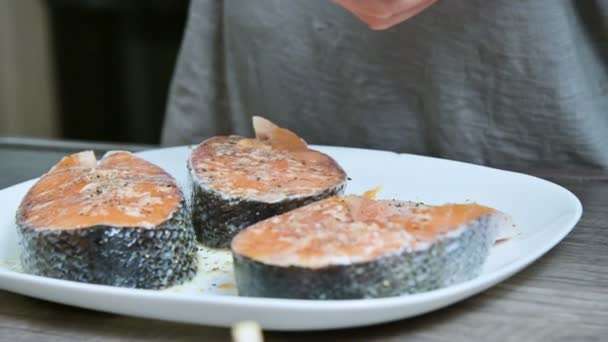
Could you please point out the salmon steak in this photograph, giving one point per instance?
(120, 221)
(355, 247)
(238, 181)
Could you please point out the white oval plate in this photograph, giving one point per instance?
(544, 213)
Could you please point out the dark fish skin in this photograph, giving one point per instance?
(448, 261)
(217, 219)
(147, 258)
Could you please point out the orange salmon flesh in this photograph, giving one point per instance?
(350, 229)
(121, 190)
(264, 170)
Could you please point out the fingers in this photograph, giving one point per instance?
(379, 8)
(383, 14)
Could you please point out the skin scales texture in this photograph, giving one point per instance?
(83, 231)
(218, 219)
(237, 181)
(306, 271)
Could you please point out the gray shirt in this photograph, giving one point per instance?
(491, 82)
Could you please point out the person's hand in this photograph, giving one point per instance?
(382, 14)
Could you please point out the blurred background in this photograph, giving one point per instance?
(95, 70)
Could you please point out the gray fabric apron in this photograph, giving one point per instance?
(490, 82)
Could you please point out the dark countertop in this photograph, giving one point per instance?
(562, 296)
